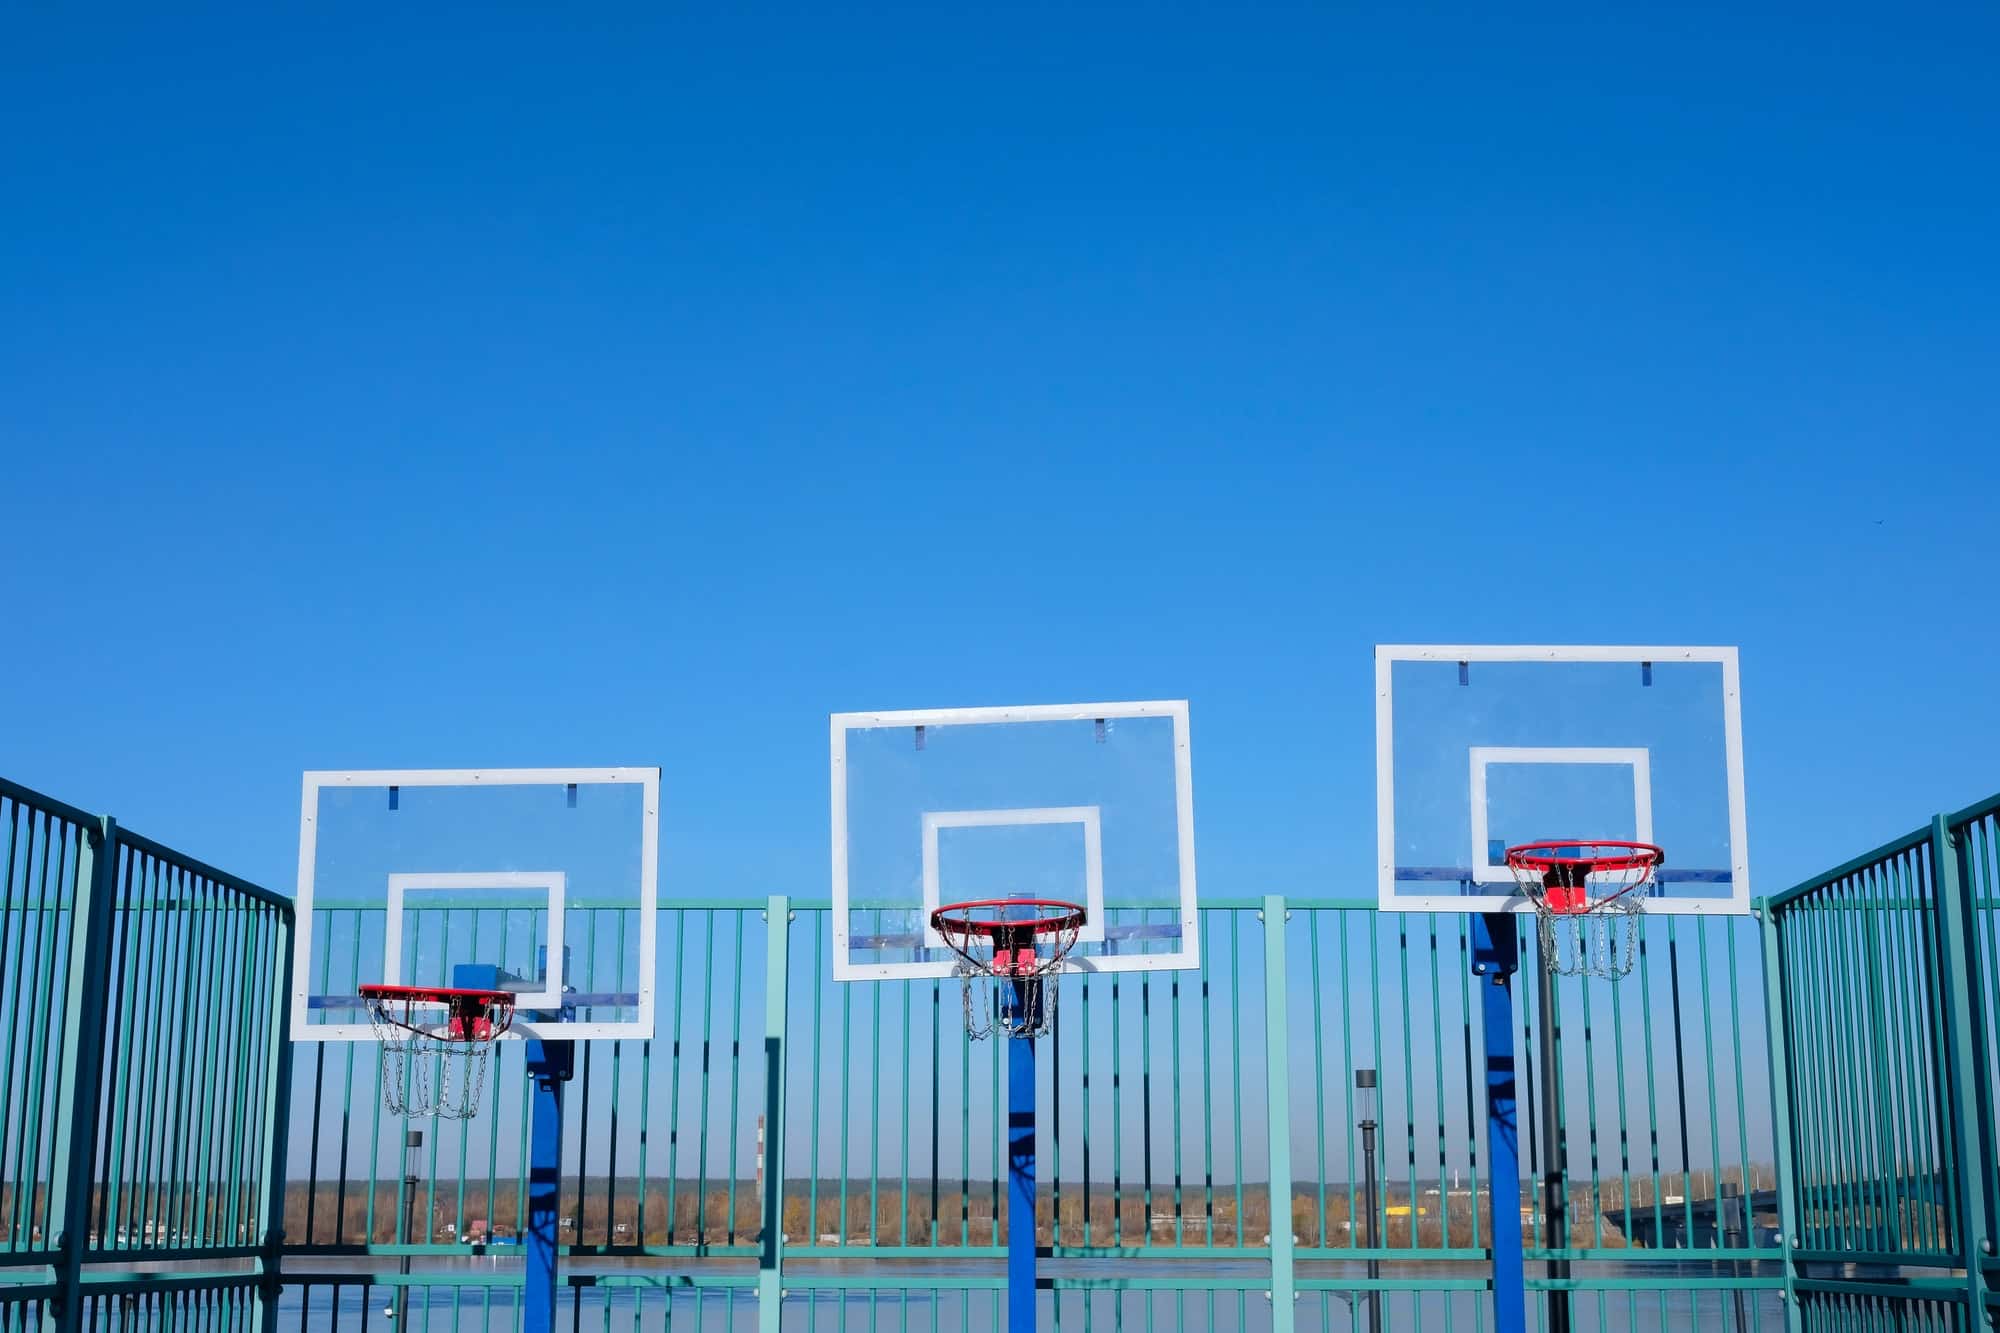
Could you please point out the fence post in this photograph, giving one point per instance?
(277, 1120)
(1965, 1059)
(1278, 1109)
(770, 1253)
(1778, 1027)
(82, 1061)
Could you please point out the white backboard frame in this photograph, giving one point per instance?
(1086, 816)
(1188, 955)
(552, 883)
(648, 779)
(1485, 756)
(1387, 655)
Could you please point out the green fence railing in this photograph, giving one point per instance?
(1976, 838)
(47, 847)
(1882, 977)
(1161, 1204)
(143, 1078)
(788, 1152)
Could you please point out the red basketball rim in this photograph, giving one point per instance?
(1607, 854)
(1058, 916)
(477, 1014)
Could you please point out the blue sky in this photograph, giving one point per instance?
(480, 388)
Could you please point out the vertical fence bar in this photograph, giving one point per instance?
(1965, 1057)
(1278, 1111)
(277, 1121)
(1777, 1019)
(83, 1060)
(770, 1253)
(20, 823)
(1975, 830)
(735, 1071)
(65, 866)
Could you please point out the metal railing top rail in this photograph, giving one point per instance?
(28, 796)
(1978, 810)
(1886, 852)
(146, 846)
(1868, 860)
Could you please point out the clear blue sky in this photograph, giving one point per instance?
(456, 388)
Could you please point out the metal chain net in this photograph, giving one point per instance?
(1595, 932)
(994, 1012)
(426, 1075)
(1601, 942)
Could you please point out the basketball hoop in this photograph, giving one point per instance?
(1583, 891)
(436, 1068)
(1016, 929)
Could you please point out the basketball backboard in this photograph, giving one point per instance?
(1086, 803)
(1479, 748)
(550, 875)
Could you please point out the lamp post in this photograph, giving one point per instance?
(1364, 1097)
(1732, 1215)
(413, 1154)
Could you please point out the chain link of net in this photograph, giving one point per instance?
(425, 1075)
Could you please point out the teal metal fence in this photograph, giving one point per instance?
(1203, 1159)
(1881, 974)
(792, 1153)
(143, 1078)
(1976, 838)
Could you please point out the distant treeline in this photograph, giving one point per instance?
(618, 1212)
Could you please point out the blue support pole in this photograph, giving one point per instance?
(1021, 1169)
(1495, 959)
(550, 1065)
